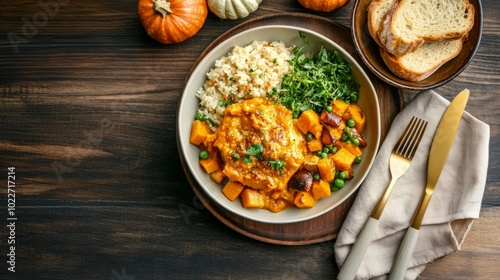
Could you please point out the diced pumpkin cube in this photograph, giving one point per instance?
(339, 106)
(304, 200)
(354, 112)
(321, 189)
(326, 168)
(276, 205)
(326, 138)
(311, 163)
(199, 131)
(314, 145)
(309, 122)
(251, 198)
(343, 159)
(336, 132)
(218, 176)
(210, 164)
(232, 190)
(353, 149)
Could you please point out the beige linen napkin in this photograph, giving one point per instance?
(456, 201)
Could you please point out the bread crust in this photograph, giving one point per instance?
(397, 66)
(374, 25)
(388, 31)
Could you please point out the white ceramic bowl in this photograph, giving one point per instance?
(188, 105)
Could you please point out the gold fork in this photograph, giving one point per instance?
(399, 162)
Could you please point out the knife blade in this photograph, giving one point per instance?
(440, 147)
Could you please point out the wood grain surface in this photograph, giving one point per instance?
(87, 118)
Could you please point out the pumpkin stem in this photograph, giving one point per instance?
(162, 7)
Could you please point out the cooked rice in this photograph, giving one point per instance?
(245, 73)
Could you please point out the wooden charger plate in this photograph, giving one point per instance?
(327, 226)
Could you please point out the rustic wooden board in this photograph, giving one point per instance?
(324, 227)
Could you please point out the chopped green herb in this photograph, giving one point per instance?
(225, 103)
(277, 164)
(247, 159)
(255, 149)
(316, 80)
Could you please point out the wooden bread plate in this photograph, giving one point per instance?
(327, 226)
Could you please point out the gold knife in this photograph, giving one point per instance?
(440, 147)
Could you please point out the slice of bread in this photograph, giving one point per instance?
(418, 65)
(409, 23)
(376, 12)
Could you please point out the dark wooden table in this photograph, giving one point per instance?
(87, 118)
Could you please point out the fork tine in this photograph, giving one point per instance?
(404, 136)
(420, 133)
(408, 143)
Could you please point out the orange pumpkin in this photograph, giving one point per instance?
(323, 5)
(172, 21)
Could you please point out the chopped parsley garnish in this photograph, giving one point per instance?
(255, 149)
(277, 164)
(247, 159)
(225, 103)
(235, 155)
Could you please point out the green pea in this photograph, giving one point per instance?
(204, 154)
(351, 123)
(355, 142)
(309, 137)
(358, 159)
(326, 149)
(338, 183)
(342, 175)
(328, 108)
(323, 155)
(316, 176)
(348, 132)
(343, 137)
(199, 116)
(333, 149)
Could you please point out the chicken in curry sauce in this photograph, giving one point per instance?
(269, 160)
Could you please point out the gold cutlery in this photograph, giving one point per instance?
(440, 147)
(399, 162)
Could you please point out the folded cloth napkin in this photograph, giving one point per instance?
(456, 201)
